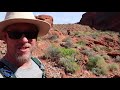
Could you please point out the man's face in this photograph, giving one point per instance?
(21, 41)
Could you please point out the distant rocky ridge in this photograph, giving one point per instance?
(102, 20)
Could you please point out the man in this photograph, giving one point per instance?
(20, 30)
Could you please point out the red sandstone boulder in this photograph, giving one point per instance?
(46, 18)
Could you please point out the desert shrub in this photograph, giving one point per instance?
(92, 62)
(117, 59)
(95, 35)
(97, 65)
(96, 71)
(68, 44)
(66, 39)
(98, 48)
(79, 58)
(77, 34)
(106, 49)
(113, 67)
(96, 61)
(53, 53)
(100, 62)
(102, 65)
(88, 52)
(53, 37)
(106, 57)
(100, 71)
(69, 64)
(82, 43)
(67, 52)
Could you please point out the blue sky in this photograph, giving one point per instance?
(59, 17)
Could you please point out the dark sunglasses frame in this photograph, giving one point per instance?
(18, 35)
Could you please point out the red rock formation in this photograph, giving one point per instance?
(102, 20)
(88, 18)
(46, 18)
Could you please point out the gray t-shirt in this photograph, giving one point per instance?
(32, 72)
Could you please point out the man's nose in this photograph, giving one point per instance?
(23, 39)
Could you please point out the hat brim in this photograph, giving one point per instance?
(42, 26)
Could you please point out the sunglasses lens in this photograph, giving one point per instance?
(31, 35)
(14, 35)
(18, 35)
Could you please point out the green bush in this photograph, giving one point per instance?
(97, 65)
(96, 61)
(92, 62)
(66, 52)
(69, 64)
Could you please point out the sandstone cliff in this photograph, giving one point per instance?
(102, 20)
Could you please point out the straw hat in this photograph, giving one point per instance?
(25, 17)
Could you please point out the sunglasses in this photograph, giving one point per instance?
(18, 35)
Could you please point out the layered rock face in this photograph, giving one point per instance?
(46, 18)
(102, 20)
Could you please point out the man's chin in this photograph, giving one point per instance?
(23, 58)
